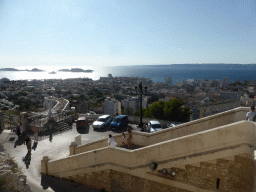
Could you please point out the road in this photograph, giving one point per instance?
(55, 149)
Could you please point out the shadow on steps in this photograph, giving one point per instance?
(63, 185)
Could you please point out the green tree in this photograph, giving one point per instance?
(172, 110)
(156, 110)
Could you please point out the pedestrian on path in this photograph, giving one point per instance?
(18, 131)
(21, 129)
(28, 144)
(251, 114)
(111, 141)
(35, 131)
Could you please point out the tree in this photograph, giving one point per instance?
(172, 110)
(156, 110)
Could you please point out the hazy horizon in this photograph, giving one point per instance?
(127, 33)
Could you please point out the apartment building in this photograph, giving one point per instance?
(211, 108)
(111, 107)
(133, 103)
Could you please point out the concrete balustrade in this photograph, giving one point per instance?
(229, 140)
(146, 139)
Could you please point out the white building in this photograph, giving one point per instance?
(111, 107)
(133, 103)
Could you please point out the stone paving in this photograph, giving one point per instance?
(57, 147)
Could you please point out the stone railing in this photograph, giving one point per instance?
(225, 141)
(146, 139)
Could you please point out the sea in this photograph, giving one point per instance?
(157, 73)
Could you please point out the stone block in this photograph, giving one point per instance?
(78, 140)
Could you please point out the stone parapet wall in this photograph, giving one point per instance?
(228, 140)
(146, 139)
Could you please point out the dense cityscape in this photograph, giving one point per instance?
(117, 95)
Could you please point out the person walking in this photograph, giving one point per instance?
(21, 129)
(35, 131)
(251, 114)
(129, 139)
(28, 144)
(18, 131)
(111, 141)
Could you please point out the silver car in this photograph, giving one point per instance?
(154, 126)
(102, 122)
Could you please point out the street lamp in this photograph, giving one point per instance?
(141, 92)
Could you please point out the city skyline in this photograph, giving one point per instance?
(107, 33)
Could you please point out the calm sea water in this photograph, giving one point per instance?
(156, 73)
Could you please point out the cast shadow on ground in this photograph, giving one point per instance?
(63, 185)
(82, 130)
(27, 160)
(34, 145)
(19, 141)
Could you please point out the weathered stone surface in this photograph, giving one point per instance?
(11, 178)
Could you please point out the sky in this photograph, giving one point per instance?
(126, 32)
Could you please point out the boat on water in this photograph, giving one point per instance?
(53, 72)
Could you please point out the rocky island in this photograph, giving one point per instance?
(76, 70)
(36, 70)
(9, 69)
(13, 69)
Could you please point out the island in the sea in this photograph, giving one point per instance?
(13, 69)
(76, 70)
(9, 69)
(36, 70)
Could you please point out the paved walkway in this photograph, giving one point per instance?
(57, 148)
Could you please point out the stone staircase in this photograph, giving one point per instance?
(61, 105)
(204, 157)
(62, 126)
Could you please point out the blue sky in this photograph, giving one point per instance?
(130, 32)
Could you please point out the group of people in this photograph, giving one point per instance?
(112, 143)
(27, 141)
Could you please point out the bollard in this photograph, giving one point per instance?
(78, 140)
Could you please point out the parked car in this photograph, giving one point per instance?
(81, 122)
(154, 126)
(102, 122)
(171, 125)
(119, 122)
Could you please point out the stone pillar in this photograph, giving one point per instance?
(72, 148)
(24, 120)
(44, 166)
(78, 140)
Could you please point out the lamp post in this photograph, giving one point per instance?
(141, 92)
